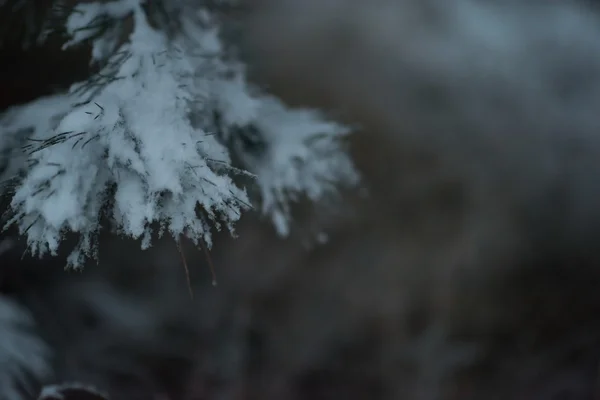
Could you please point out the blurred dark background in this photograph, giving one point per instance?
(422, 304)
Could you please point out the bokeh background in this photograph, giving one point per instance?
(423, 290)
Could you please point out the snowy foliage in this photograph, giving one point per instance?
(23, 355)
(150, 140)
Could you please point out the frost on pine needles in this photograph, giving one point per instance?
(149, 140)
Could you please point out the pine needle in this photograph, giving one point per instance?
(210, 263)
(185, 266)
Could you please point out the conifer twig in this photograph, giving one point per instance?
(210, 263)
(185, 266)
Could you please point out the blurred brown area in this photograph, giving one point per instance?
(27, 74)
(28, 68)
(434, 286)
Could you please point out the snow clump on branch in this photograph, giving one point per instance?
(149, 140)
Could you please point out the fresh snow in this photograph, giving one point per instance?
(138, 145)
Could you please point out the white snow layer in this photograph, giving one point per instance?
(134, 145)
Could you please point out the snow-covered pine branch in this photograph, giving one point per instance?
(149, 140)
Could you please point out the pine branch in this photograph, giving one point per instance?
(151, 138)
